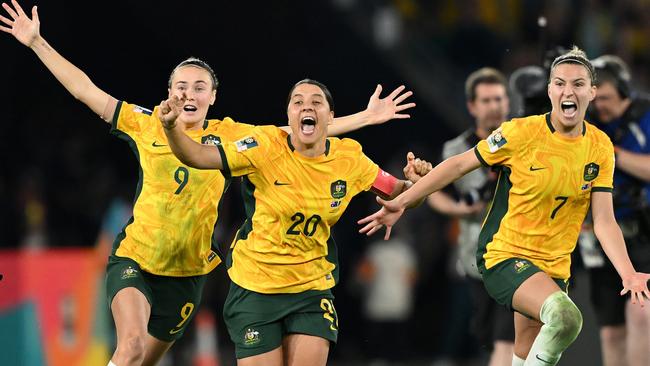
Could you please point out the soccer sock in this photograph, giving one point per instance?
(516, 361)
(562, 324)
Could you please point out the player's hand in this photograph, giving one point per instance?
(26, 30)
(169, 111)
(384, 109)
(415, 168)
(637, 285)
(386, 216)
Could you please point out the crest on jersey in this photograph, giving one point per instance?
(591, 171)
(338, 189)
(211, 140)
(245, 144)
(496, 140)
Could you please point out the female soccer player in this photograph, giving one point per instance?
(157, 269)
(552, 168)
(283, 261)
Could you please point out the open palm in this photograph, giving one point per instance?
(385, 109)
(19, 25)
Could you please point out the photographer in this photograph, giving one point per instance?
(487, 102)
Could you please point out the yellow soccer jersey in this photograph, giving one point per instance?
(175, 209)
(543, 192)
(291, 203)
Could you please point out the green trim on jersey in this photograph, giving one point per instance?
(134, 147)
(248, 195)
(327, 145)
(480, 158)
(498, 210)
(601, 189)
(333, 257)
(550, 125)
(215, 244)
(224, 162)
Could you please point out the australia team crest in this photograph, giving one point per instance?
(591, 171)
(338, 189)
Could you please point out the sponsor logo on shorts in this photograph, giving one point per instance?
(129, 272)
(520, 265)
(251, 337)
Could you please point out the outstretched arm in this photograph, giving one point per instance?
(188, 151)
(443, 174)
(611, 239)
(27, 32)
(378, 111)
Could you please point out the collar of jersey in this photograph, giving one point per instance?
(550, 127)
(327, 145)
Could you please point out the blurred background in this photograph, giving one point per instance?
(66, 185)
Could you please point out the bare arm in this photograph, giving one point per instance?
(27, 32)
(188, 151)
(611, 239)
(634, 164)
(445, 204)
(378, 111)
(443, 174)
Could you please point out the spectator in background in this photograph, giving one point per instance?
(388, 272)
(487, 101)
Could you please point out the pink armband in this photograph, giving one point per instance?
(384, 183)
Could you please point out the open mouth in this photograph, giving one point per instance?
(307, 125)
(569, 109)
(189, 108)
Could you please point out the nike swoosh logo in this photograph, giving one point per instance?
(156, 144)
(532, 169)
(543, 360)
(278, 183)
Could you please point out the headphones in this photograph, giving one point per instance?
(614, 69)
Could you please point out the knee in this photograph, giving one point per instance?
(612, 334)
(562, 315)
(131, 348)
(571, 318)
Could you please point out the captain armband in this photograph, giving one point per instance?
(384, 184)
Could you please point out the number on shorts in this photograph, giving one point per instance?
(330, 313)
(186, 311)
(181, 176)
(559, 198)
